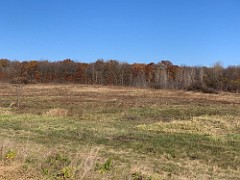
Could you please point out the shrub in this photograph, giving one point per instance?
(198, 87)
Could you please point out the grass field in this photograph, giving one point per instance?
(99, 132)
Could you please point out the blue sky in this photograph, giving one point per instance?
(187, 32)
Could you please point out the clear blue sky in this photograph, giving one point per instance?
(189, 32)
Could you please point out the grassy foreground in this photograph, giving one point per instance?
(97, 132)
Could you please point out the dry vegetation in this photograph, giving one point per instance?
(99, 132)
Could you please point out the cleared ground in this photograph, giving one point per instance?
(98, 132)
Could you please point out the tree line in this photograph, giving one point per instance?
(162, 75)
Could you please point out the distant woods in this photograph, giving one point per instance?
(163, 75)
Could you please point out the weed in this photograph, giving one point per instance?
(140, 176)
(106, 166)
(10, 155)
(56, 165)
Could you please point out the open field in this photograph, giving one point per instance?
(99, 132)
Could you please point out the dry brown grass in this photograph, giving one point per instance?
(13, 171)
(88, 124)
(57, 112)
(127, 96)
(5, 111)
(203, 125)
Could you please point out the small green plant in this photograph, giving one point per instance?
(45, 171)
(67, 172)
(10, 155)
(24, 168)
(57, 165)
(106, 166)
(140, 176)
